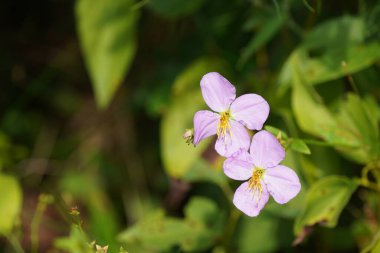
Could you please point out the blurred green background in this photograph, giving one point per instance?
(96, 94)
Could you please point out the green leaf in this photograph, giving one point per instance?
(177, 156)
(76, 242)
(258, 235)
(207, 222)
(324, 202)
(201, 171)
(270, 24)
(342, 51)
(175, 8)
(157, 232)
(299, 146)
(358, 117)
(374, 246)
(10, 203)
(108, 40)
(352, 131)
(275, 131)
(312, 115)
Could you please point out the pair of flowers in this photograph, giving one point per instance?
(260, 166)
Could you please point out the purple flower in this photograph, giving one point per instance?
(264, 174)
(230, 115)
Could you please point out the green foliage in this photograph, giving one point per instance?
(300, 146)
(374, 246)
(324, 202)
(157, 232)
(351, 130)
(76, 242)
(254, 232)
(10, 203)
(342, 51)
(317, 65)
(269, 23)
(175, 8)
(108, 39)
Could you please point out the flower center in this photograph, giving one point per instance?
(224, 124)
(254, 183)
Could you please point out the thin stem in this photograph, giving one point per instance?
(140, 4)
(230, 228)
(228, 193)
(43, 201)
(15, 243)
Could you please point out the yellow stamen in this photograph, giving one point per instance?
(254, 183)
(224, 125)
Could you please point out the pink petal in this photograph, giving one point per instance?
(217, 91)
(205, 125)
(229, 145)
(246, 199)
(251, 110)
(239, 167)
(265, 150)
(282, 183)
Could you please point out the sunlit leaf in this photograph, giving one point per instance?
(356, 114)
(324, 202)
(275, 131)
(107, 34)
(10, 203)
(299, 146)
(342, 51)
(352, 130)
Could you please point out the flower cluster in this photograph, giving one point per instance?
(256, 161)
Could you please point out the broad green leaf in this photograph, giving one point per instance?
(108, 39)
(324, 202)
(258, 235)
(352, 131)
(197, 231)
(177, 156)
(157, 232)
(201, 171)
(210, 223)
(342, 51)
(312, 115)
(175, 8)
(270, 24)
(10, 203)
(357, 116)
(299, 146)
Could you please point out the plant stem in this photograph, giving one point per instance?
(15, 244)
(43, 201)
(230, 228)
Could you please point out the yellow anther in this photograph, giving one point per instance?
(224, 125)
(254, 183)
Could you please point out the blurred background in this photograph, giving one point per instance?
(96, 94)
